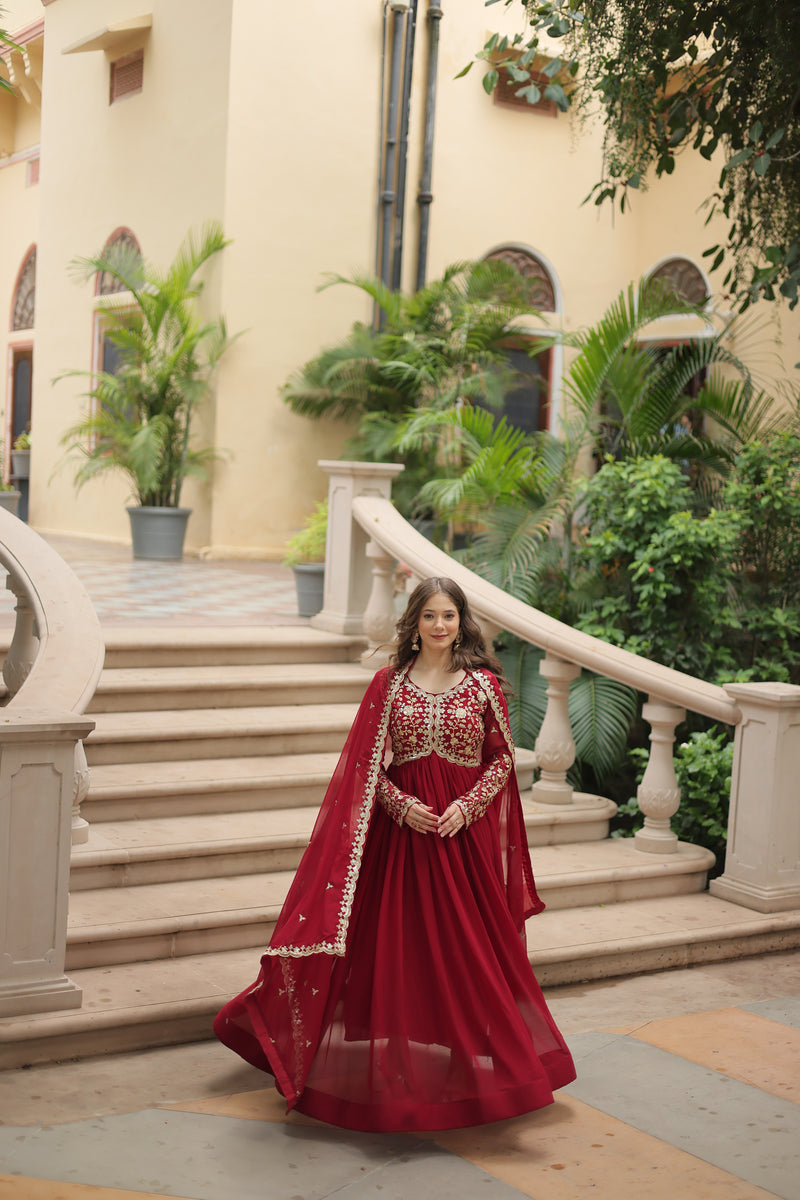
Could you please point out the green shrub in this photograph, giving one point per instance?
(763, 496)
(662, 569)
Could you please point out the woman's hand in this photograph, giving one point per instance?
(420, 817)
(451, 820)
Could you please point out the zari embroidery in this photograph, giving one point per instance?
(475, 802)
(296, 1016)
(449, 724)
(464, 749)
(395, 801)
(486, 683)
(338, 945)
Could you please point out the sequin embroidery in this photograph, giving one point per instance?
(449, 724)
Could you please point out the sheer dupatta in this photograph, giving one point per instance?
(276, 1024)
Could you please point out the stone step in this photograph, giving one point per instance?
(225, 645)
(137, 689)
(134, 922)
(169, 849)
(171, 1000)
(172, 735)
(148, 790)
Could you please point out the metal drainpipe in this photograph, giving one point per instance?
(424, 195)
(405, 112)
(399, 9)
(381, 134)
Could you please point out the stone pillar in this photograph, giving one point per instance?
(555, 747)
(348, 576)
(37, 769)
(658, 794)
(762, 863)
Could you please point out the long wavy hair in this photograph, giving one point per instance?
(472, 653)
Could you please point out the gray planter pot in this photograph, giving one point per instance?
(10, 500)
(309, 582)
(21, 464)
(158, 532)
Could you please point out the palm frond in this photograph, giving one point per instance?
(601, 712)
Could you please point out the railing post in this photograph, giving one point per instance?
(37, 768)
(348, 577)
(555, 747)
(658, 794)
(762, 862)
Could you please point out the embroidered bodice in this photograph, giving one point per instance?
(455, 725)
(449, 723)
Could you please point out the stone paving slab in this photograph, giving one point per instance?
(193, 591)
(210, 1158)
(750, 1133)
(640, 1123)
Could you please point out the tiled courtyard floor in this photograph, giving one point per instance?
(688, 1081)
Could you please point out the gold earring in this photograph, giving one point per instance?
(415, 643)
(457, 642)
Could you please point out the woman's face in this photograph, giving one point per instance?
(438, 622)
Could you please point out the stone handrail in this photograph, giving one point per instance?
(50, 672)
(386, 526)
(366, 536)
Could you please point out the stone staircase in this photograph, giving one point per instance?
(211, 753)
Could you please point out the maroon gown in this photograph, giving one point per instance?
(396, 993)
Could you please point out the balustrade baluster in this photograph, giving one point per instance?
(379, 615)
(555, 746)
(22, 651)
(658, 794)
(80, 790)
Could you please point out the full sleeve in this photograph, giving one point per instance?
(497, 766)
(396, 802)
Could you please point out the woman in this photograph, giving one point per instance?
(396, 993)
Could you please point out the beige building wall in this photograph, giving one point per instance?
(299, 202)
(20, 129)
(269, 121)
(154, 163)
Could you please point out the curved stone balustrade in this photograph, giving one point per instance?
(763, 861)
(51, 671)
(384, 525)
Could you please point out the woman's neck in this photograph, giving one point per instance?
(435, 672)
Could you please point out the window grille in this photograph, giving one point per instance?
(24, 310)
(107, 284)
(544, 299)
(506, 89)
(127, 74)
(684, 278)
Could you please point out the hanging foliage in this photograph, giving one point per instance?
(707, 75)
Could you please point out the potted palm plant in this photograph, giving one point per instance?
(139, 417)
(305, 554)
(9, 494)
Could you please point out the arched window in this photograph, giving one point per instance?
(528, 405)
(531, 267)
(107, 285)
(106, 354)
(684, 278)
(23, 311)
